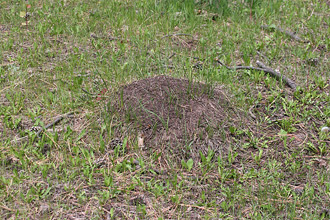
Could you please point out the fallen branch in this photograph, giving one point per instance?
(291, 34)
(278, 75)
(265, 69)
(57, 120)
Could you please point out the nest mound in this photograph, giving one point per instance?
(176, 116)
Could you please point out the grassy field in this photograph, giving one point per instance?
(68, 60)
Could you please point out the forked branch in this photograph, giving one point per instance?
(262, 67)
(289, 33)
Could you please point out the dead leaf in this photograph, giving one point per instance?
(22, 14)
(25, 23)
(140, 141)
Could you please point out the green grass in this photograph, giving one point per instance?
(68, 46)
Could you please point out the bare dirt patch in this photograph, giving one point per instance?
(176, 116)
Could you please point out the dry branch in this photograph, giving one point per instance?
(278, 75)
(57, 120)
(291, 34)
(265, 69)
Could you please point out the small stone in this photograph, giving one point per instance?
(299, 190)
(325, 129)
(44, 208)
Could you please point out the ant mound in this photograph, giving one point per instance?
(176, 117)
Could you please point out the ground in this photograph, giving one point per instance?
(134, 110)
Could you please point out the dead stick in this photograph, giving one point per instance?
(57, 120)
(6, 208)
(291, 34)
(273, 73)
(173, 54)
(88, 93)
(47, 126)
(278, 75)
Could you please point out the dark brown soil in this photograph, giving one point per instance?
(176, 116)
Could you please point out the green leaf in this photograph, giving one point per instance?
(190, 164)
(183, 163)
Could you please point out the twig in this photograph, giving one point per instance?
(57, 120)
(88, 93)
(278, 75)
(47, 126)
(250, 111)
(116, 38)
(174, 35)
(168, 66)
(195, 206)
(6, 208)
(265, 69)
(291, 34)
(172, 55)
(310, 15)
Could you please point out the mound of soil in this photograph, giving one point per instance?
(176, 116)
